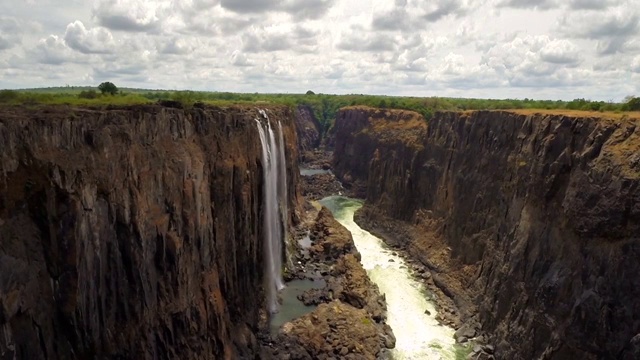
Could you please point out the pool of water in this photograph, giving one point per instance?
(311, 172)
(418, 335)
(291, 307)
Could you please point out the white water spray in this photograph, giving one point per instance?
(275, 207)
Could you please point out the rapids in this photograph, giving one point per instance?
(418, 335)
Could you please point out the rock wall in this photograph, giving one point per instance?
(308, 128)
(539, 215)
(354, 129)
(133, 233)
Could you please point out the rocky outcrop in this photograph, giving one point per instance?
(308, 129)
(333, 331)
(133, 233)
(533, 218)
(319, 186)
(356, 311)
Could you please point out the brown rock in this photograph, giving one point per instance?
(540, 210)
(132, 232)
(358, 328)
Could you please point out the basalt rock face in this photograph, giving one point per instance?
(133, 233)
(542, 212)
(308, 129)
(353, 132)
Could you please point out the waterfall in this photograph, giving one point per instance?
(275, 207)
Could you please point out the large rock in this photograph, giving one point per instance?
(351, 284)
(533, 217)
(330, 239)
(337, 330)
(133, 233)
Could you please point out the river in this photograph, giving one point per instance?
(419, 336)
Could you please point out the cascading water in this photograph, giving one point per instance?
(275, 207)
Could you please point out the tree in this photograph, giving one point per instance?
(310, 92)
(632, 104)
(108, 88)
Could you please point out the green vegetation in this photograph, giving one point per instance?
(108, 88)
(323, 106)
(631, 104)
(435, 345)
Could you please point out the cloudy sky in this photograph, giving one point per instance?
(550, 49)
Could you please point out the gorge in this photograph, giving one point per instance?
(527, 221)
(163, 232)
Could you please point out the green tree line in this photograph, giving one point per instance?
(324, 106)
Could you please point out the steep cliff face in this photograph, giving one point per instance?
(133, 232)
(534, 217)
(308, 129)
(354, 129)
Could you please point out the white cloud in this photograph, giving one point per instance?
(612, 28)
(130, 15)
(94, 41)
(635, 65)
(488, 48)
(560, 52)
(530, 4)
(52, 51)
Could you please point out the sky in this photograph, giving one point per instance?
(540, 49)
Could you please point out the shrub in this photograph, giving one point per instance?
(8, 95)
(88, 94)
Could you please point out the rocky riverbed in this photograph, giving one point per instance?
(349, 321)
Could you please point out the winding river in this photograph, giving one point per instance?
(419, 336)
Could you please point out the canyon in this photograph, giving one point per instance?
(527, 221)
(149, 231)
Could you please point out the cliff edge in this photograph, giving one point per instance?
(528, 220)
(133, 232)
